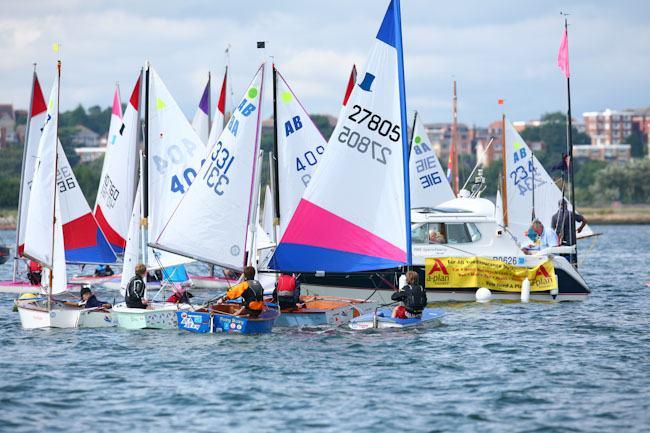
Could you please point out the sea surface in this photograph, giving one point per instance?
(498, 367)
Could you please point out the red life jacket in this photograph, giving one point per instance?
(286, 285)
(34, 266)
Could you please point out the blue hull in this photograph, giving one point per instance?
(301, 319)
(199, 322)
(383, 320)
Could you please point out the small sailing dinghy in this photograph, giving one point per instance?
(227, 317)
(44, 232)
(220, 205)
(158, 315)
(381, 319)
(323, 311)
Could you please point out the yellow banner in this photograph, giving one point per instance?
(471, 272)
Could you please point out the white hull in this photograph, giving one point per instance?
(34, 315)
(383, 296)
(35, 318)
(96, 319)
(161, 316)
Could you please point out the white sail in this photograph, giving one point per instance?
(211, 221)
(36, 121)
(59, 271)
(353, 213)
(174, 158)
(267, 216)
(429, 185)
(117, 181)
(39, 235)
(300, 148)
(527, 180)
(133, 243)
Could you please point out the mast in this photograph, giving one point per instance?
(144, 170)
(454, 139)
(56, 169)
(569, 144)
(415, 119)
(209, 101)
(405, 147)
(532, 169)
(22, 175)
(275, 181)
(504, 189)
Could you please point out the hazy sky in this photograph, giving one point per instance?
(505, 49)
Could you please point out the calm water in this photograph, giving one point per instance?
(501, 367)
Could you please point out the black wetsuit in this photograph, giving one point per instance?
(414, 298)
(135, 293)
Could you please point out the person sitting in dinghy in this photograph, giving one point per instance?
(287, 291)
(134, 296)
(103, 271)
(250, 290)
(412, 296)
(180, 295)
(539, 238)
(34, 273)
(89, 299)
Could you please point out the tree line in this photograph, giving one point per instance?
(597, 182)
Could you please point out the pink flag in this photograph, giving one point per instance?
(563, 54)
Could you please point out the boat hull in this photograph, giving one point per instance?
(36, 318)
(324, 311)
(162, 316)
(430, 316)
(204, 322)
(379, 286)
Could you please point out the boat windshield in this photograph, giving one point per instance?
(444, 233)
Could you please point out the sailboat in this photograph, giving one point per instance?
(429, 186)
(170, 144)
(84, 241)
(44, 232)
(220, 207)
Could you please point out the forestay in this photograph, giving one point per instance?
(117, 181)
(37, 119)
(211, 221)
(300, 147)
(39, 229)
(353, 215)
(429, 185)
(524, 173)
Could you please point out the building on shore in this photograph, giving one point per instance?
(7, 125)
(603, 152)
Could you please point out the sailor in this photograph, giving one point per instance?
(561, 223)
(103, 271)
(250, 290)
(413, 296)
(539, 238)
(34, 273)
(135, 290)
(287, 291)
(180, 295)
(436, 234)
(90, 301)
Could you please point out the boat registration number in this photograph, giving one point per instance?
(511, 260)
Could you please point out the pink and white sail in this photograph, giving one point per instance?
(118, 178)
